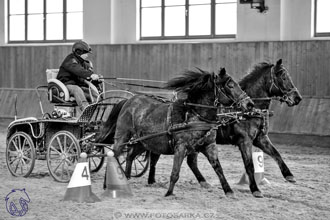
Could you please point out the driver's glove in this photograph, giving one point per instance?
(95, 77)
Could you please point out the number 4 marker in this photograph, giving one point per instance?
(85, 173)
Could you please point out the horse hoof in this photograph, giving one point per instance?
(257, 194)
(169, 194)
(151, 182)
(205, 185)
(290, 179)
(230, 195)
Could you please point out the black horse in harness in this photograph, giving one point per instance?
(145, 119)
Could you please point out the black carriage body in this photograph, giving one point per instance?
(59, 139)
(42, 130)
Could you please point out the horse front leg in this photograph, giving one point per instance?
(211, 153)
(245, 146)
(179, 155)
(152, 169)
(105, 179)
(192, 163)
(263, 142)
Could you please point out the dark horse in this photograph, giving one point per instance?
(261, 84)
(179, 128)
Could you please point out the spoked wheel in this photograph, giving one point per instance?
(62, 155)
(139, 165)
(96, 163)
(20, 154)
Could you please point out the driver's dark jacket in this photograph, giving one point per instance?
(73, 70)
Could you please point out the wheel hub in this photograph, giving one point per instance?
(20, 154)
(63, 156)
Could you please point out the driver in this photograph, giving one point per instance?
(74, 70)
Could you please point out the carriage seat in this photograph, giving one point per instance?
(58, 93)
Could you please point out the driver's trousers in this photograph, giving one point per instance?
(82, 95)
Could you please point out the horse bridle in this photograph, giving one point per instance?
(218, 92)
(284, 93)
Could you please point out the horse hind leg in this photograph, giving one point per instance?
(245, 146)
(211, 154)
(119, 145)
(105, 179)
(192, 163)
(152, 170)
(177, 162)
(133, 151)
(264, 143)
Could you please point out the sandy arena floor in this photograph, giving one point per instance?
(307, 199)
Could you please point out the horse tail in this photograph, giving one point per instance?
(108, 129)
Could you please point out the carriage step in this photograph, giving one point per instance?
(96, 155)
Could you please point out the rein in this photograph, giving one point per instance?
(241, 98)
(243, 95)
(132, 79)
(199, 105)
(277, 98)
(134, 84)
(159, 98)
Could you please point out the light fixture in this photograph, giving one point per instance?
(256, 4)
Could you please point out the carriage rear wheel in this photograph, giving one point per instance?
(20, 154)
(139, 164)
(96, 162)
(62, 155)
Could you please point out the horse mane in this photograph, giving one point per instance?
(254, 74)
(191, 81)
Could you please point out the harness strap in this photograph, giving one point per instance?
(199, 105)
(169, 123)
(272, 81)
(182, 127)
(200, 141)
(265, 124)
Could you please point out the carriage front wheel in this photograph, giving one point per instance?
(62, 155)
(20, 154)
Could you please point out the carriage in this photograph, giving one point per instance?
(60, 136)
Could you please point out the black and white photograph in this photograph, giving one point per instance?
(165, 109)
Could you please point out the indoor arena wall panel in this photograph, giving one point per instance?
(23, 67)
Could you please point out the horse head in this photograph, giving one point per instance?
(228, 92)
(282, 85)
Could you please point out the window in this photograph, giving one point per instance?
(187, 19)
(45, 20)
(322, 17)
